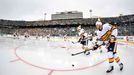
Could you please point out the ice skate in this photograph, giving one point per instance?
(121, 66)
(111, 68)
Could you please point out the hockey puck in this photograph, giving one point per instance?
(72, 54)
(72, 65)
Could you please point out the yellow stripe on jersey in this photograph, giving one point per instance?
(111, 60)
(107, 34)
(117, 59)
(82, 34)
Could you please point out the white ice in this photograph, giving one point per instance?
(41, 57)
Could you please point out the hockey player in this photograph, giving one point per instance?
(65, 37)
(16, 35)
(48, 37)
(126, 38)
(84, 38)
(108, 33)
(26, 35)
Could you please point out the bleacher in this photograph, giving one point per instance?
(64, 26)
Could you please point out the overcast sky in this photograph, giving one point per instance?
(35, 9)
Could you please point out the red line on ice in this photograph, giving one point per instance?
(50, 69)
(14, 60)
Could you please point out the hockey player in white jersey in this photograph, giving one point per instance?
(108, 32)
(84, 38)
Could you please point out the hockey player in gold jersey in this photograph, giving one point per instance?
(108, 34)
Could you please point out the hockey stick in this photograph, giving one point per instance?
(78, 53)
(81, 52)
(78, 41)
(74, 42)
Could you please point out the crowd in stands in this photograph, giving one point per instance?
(64, 26)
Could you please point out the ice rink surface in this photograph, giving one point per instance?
(41, 57)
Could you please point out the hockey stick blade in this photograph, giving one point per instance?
(74, 42)
(78, 53)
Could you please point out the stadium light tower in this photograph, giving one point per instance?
(90, 13)
(121, 14)
(45, 16)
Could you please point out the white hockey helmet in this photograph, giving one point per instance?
(79, 28)
(82, 31)
(98, 22)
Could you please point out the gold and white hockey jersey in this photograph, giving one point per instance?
(106, 33)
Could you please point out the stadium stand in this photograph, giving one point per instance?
(64, 26)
